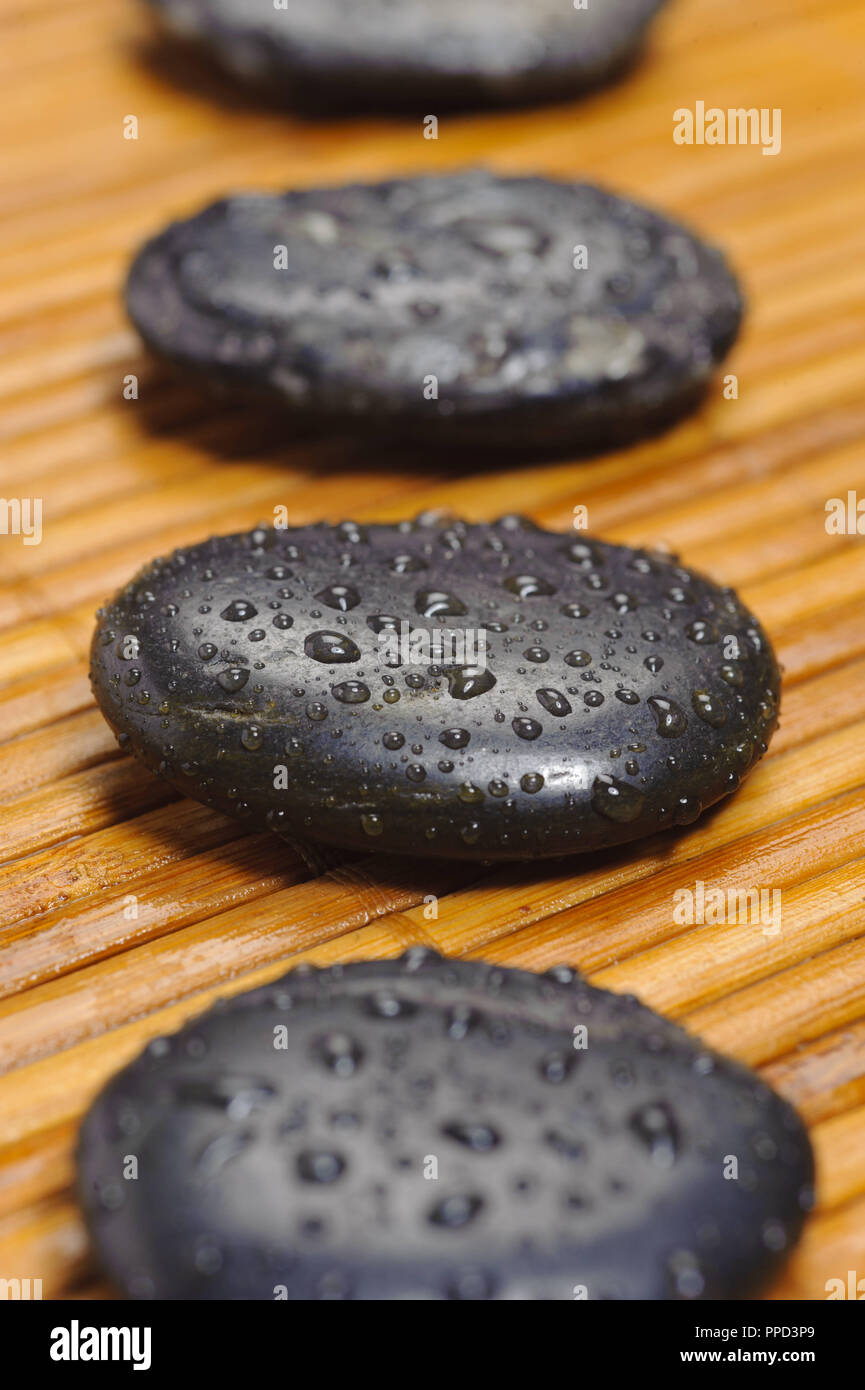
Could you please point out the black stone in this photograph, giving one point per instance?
(572, 734)
(282, 1142)
(445, 310)
(413, 55)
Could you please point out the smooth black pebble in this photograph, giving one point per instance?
(428, 1128)
(467, 309)
(413, 55)
(272, 674)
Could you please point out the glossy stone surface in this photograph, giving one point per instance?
(467, 309)
(431, 1129)
(437, 688)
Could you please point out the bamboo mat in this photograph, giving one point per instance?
(739, 490)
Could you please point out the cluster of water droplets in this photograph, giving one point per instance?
(315, 616)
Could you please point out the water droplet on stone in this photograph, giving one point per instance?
(528, 586)
(670, 719)
(455, 1211)
(340, 1053)
(320, 1166)
(701, 632)
(655, 1126)
(351, 692)
(526, 728)
(407, 564)
(732, 675)
(616, 800)
(239, 611)
(474, 1135)
(531, 782)
(343, 597)
(233, 679)
(467, 682)
(332, 648)
(385, 1004)
(709, 708)
(435, 603)
(554, 702)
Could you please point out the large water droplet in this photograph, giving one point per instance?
(526, 728)
(670, 719)
(351, 692)
(233, 679)
(332, 648)
(407, 564)
(616, 800)
(343, 597)
(554, 702)
(528, 586)
(239, 611)
(435, 603)
(466, 682)
(709, 708)
(701, 632)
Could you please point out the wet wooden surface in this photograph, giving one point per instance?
(739, 490)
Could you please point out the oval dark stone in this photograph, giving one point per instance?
(336, 732)
(413, 56)
(427, 1128)
(498, 313)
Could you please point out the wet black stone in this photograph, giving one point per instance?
(413, 56)
(444, 310)
(337, 733)
(282, 1143)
